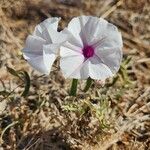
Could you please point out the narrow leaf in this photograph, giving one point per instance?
(27, 84)
(13, 72)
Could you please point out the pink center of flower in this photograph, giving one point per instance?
(88, 51)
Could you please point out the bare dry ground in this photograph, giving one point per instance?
(113, 117)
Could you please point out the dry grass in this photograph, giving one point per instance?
(113, 117)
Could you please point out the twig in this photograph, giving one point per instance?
(113, 8)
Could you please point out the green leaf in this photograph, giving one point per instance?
(27, 83)
(127, 61)
(23, 76)
(13, 72)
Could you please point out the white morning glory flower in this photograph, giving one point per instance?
(93, 50)
(42, 47)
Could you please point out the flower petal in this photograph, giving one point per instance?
(111, 57)
(69, 65)
(57, 37)
(100, 35)
(85, 28)
(94, 27)
(109, 50)
(42, 29)
(98, 70)
(37, 63)
(42, 63)
(34, 45)
(48, 23)
(82, 72)
(49, 55)
(68, 48)
(111, 38)
(75, 26)
(42, 47)
(51, 48)
(72, 39)
(72, 62)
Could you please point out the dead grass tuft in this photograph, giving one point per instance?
(116, 116)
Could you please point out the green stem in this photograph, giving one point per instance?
(88, 84)
(73, 89)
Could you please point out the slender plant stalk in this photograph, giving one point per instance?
(73, 89)
(88, 84)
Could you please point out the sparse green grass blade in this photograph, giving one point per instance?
(13, 72)
(24, 77)
(27, 84)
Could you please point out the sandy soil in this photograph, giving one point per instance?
(113, 117)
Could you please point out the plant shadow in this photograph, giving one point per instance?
(49, 140)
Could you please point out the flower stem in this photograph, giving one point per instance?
(88, 84)
(73, 89)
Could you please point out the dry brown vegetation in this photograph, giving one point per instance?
(113, 117)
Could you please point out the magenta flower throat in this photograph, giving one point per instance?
(88, 51)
